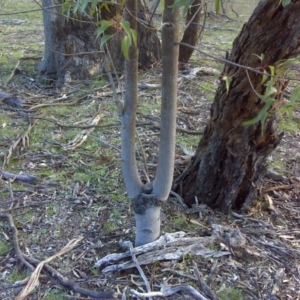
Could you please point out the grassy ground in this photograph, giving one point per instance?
(80, 192)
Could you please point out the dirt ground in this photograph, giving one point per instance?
(66, 144)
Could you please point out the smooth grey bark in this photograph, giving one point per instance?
(170, 33)
(129, 167)
(146, 200)
(50, 15)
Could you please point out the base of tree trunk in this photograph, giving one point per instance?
(71, 46)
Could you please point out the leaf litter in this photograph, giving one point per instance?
(73, 154)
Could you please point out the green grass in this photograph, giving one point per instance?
(54, 295)
(4, 246)
(230, 293)
(16, 275)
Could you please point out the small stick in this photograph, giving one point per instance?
(134, 259)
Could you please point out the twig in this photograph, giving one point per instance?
(25, 142)
(136, 263)
(28, 261)
(168, 291)
(13, 73)
(204, 287)
(15, 241)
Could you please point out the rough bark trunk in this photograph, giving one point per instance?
(230, 159)
(71, 45)
(191, 32)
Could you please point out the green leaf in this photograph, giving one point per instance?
(217, 6)
(125, 46)
(93, 7)
(76, 7)
(134, 36)
(126, 26)
(104, 24)
(182, 3)
(83, 4)
(286, 2)
(265, 77)
(261, 57)
(104, 39)
(227, 82)
(295, 96)
(272, 69)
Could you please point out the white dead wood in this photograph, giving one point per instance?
(167, 247)
(136, 263)
(168, 291)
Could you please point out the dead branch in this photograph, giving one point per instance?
(134, 259)
(168, 291)
(14, 232)
(204, 287)
(19, 177)
(167, 247)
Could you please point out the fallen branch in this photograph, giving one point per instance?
(167, 247)
(19, 177)
(204, 287)
(15, 242)
(168, 291)
(129, 245)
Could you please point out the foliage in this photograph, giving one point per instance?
(273, 92)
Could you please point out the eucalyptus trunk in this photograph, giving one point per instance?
(230, 160)
(191, 33)
(71, 45)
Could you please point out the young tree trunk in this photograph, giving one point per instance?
(147, 199)
(191, 32)
(71, 45)
(230, 159)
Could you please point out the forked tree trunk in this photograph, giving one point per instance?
(230, 159)
(191, 32)
(71, 44)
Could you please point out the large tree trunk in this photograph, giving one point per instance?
(230, 159)
(191, 32)
(71, 45)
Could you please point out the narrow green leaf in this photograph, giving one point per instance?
(83, 4)
(125, 46)
(272, 69)
(227, 82)
(104, 24)
(286, 2)
(76, 7)
(261, 57)
(134, 36)
(295, 96)
(180, 3)
(104, 39)
(126, 26)
(265, 77)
